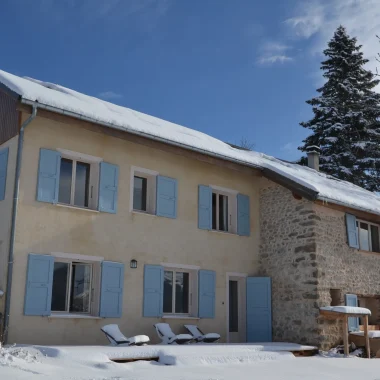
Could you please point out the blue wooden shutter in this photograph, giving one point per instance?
(259, 309)
(204, 207)
(153, 290)
(353, 322)
(111, 290)
(243, 218)
(166, 197)
(39, 284)
(3, 171)
(206, 297)
(352, 231)
(108, 187)
(48, 176)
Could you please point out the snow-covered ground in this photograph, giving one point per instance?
(213, 362)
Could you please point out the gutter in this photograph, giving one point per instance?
(13, 221)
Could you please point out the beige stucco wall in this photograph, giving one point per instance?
(44, 228)
(5, 215)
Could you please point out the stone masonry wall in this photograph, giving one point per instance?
(304, 250)
(341, 267)
(288, 254)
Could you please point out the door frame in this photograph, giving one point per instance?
(243, 276)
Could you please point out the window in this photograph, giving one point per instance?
(369, 238)
(139, 193)
(78, 181)
(72, 285)
(143, 190)
(224, 211)
(176, 292)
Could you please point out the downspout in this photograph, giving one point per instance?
(13, 222)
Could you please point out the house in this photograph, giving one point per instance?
(109, 215)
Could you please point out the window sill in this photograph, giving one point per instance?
(179, 317)
(367, 252)
(76, 207)
(72, 316)
(224, 232)
(142, 213)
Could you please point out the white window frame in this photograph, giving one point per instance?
(358, 221)
(93, 187)
(95, 281)
(232, 208)
(193, 289)
(151, 185)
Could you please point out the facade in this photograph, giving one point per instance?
(79, 239)
(147, 222)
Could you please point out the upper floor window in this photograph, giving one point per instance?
(224, 210)
(369, 237)
(78, 180)
(143, 190)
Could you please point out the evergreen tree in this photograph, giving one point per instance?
(345, 124)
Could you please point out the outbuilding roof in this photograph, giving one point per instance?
(60, 99)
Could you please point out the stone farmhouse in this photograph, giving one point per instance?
(108, 215)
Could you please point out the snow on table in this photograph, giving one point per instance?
(57, 97)
(347, 310)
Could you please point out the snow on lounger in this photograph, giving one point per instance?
(117, 338)
(200, 337)
(167, 335)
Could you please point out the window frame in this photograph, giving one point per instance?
(151, 186)
(175, 271)
(193, 271)
(95, 283)
(369, 224)
(93, 182)
(69, 287)
(232, 209)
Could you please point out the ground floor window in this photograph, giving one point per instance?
(72, 284)
(176, 292)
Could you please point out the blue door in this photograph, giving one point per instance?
(259, 309)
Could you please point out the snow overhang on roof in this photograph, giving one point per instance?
(303, 180)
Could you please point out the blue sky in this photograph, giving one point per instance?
(230, 68)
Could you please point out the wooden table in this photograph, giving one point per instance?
(334, 315)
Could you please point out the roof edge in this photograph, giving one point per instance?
(291, 185)
(134, 132)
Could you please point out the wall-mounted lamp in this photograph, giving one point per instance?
(133, 264)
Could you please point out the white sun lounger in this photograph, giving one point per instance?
(117, 338)
(167, 335)
(200, 337)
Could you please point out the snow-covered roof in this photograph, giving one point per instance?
(58, 98)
